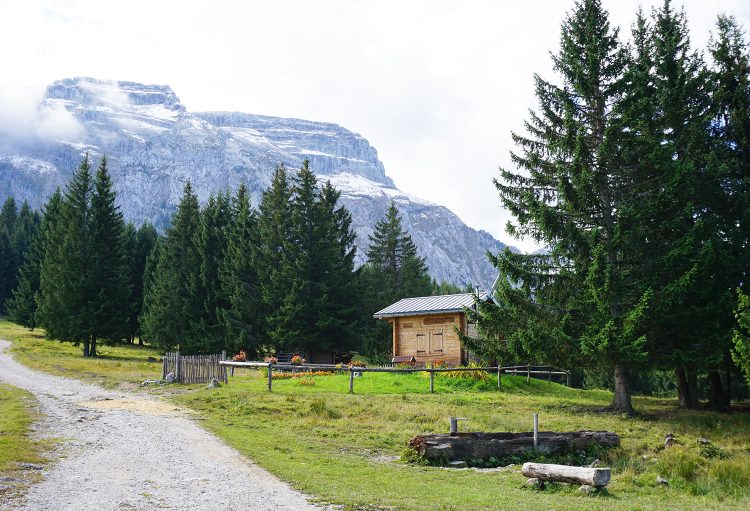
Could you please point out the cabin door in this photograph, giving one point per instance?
(436, 342)
(422, 342)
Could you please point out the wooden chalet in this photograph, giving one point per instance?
(423, 327)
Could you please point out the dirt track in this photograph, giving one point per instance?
(130, 452)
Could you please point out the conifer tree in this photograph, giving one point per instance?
(109, 275)
(393, 271)
(65, 283)
(274, 232)
(570, 193)
(207, 334)
(240, 282)
(22, 306)
(168, 310)
(140, 243)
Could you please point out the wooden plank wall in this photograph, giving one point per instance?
(194, 368)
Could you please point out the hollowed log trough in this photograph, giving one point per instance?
(464, 446)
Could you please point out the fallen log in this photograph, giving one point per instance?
(598, 477)
(464, 446)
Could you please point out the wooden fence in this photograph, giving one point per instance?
(527, 370)
(195, 368)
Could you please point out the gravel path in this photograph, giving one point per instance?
(125, 451)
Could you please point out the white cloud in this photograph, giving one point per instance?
(436, 86)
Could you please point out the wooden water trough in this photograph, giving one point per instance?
(463, 446)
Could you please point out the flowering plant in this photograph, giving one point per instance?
(297, 360)
(240, 357)
(272, 360)
(357, 363)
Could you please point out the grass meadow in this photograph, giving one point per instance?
(348, 449)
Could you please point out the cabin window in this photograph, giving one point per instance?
(436, 342)
(421, 343)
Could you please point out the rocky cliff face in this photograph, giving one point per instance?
(154, 145)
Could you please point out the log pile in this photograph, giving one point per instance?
(464, 446)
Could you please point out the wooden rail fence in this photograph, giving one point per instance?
(195, 368)
(528, 370)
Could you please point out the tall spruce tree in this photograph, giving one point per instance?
(317, 307)
(168, 311)
(140, 243)
(240, 281)
(207, 333)
(730, 206)
(393, 270)
(22, 306)
(274, 231)
(108, 273)
(575, 304)
(666, 138)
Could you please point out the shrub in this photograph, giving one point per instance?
(476, 375)
(240, 357)
(271, 360)
(297, 360)
(436, 364)
(357, 363)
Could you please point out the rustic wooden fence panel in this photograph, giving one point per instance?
(195, 368)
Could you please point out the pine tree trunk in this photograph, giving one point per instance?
(621, 401)
(692, 382)
(86, 347)
(93, 346)
(716, 399)
(728, 380)
(682, 388)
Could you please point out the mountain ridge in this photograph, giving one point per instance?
(154, 144)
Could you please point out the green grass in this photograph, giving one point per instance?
(16, 444)
(115, 366)
(347, 449)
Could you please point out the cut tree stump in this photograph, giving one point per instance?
(464, 446)
(598, 477)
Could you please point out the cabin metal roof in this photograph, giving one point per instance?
(429, 305)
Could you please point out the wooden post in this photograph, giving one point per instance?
(567, 377)
(432, 381)
(351, 380)
(177, 370)
(270, 377)
(499, 382)
(536, 431)
(164, 367)
(528, 374)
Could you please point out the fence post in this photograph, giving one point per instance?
(164, 367)
(499, 382)
(567, 377)
(178, 371)
(432, 381)
(549, 376)
(536, 431)
(351, 380)
(528, 373)
(270, 377)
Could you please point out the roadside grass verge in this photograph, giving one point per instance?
(115, 366)
(17, 447)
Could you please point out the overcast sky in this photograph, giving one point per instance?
(436, 87)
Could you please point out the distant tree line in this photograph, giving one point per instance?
(224, 276)
(634, 173)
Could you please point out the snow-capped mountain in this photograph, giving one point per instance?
(154, 145)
